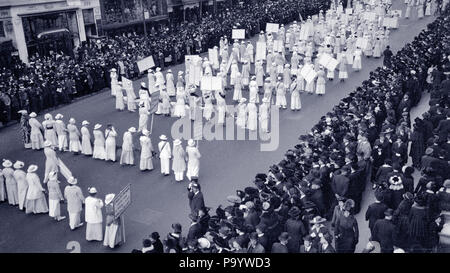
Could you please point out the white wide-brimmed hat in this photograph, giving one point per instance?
(92, 190)
(72, 180)
(48, 116)
(176, 142)
(85, 122)
(109, 198)
(266, 100)
(145, 132)
(97, 126)
(7, 163)
(242, 100)
(191, 142)
(72, 120)
(47, 143)
(143, 84)
(23, 112)
(32, 168)
(132, 130)
(53, 175)
(19, 165)
(59, 116)
(163, 137)
(33, 115)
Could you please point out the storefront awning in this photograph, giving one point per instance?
(39, 36)
(174, 3)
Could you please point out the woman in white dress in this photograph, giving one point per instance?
(409, 6)
(264, 115)
(428, 7)
(259, 72)
(113, 76)
(37, 140)
(49, 130)
(127, 156)
(179, 160)
(343, 74)
(160, 81)
(208, 108)
(2, 187)
(221, 108)
(35, 200)
(22, 186)
(180, 106)
(114, 228)
(143, 116)
(151, 80)
(357, 59)
(252, 116)
(268, 89)
(120, 105)
(74, 136)
(146, 161)
(253, 95)
(170, 86)
(377, 48)
(234, 71)
(55, 196)
(241, 120)
(245, 75)
(287, 76)
(280, 98)
(51, 160)
(110, 143)
(163, 104)
(300, 79)
(320, 85)
(296, 104)
(237, 94)
(420, 7)
(10, 182)
(193, 164)
(99, 143)
(86, 145)
(295, 61)
(61, 131)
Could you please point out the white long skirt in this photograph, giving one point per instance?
(296, 103)
(343, 75)
(99, 152)
(94, 232)
(54, 209)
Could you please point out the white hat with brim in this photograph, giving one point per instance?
(109, 198)
(32, 168)
(72, 120)
(19, 165)
(163, 137)
(132, 130)
(33, 115)
(47, 143)
(97, 126)
(59, 116)
(242, 100)
(72, 180)
(145, 132)
(176, 142)
(7, 163)
(92, 190)
(53, 175)
(85, 122)
(22, 112)
(191, 142)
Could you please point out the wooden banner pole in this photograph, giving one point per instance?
(151, 124)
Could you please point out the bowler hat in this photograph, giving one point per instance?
(176, 227)
(284, 236)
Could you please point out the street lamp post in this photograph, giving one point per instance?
(143, 18)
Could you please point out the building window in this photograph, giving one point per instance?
(2, 29)
(88, 16)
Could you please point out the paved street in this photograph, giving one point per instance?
(159, 201)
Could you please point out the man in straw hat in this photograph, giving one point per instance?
(35, 200)
(22, 185)
(75, 200)
(93, 216)
(165, 153)
(114, 232)
(127, 156)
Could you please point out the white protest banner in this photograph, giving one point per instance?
(303, 33)
(261, 49)
(198, 129)
(361, 43)
(213, 57)
(370, 16)
(126, 83)
(145, 64)
(206, 83)
(271, 27)
(393, 22)
(314, 18)
(349, 11)
(386, 22)
(340, 9)
(230, 60)
(216, 83)
(238, 34)
(308, 73)
(328, 61)
(122, 201)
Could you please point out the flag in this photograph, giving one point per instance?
(64, 170)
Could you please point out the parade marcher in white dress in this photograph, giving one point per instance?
(165, 153)
(93, 216)
(295, 95)
(208, 108)
(22, 186)
(280, 95)
(54, 197)
(86, 145)
(110, 143)
(268, 89)
(250, 52)
(151, 81)
(75, 200)
(37, 140)
(144, 96)
(143, 117)
(420, 8)
(377, 48)
(234, 71)
(2, 187)
(409, 6)
(131, 99)
(114, 228)
(170, 85)
(320, 85)
(99, 143)
(180, 106)
(179, 160)
(113, 75)
(127, 156)
(287, 76)
(74, 137)
(61, 131)
(428, 6)
(119, 97)
(49, 130)
(146, 161)
(264, 115)
(241, 120)
(252, 123)
(35, 200)
(357, 66)
(193, 164)
(245, 74)
(343, 74)
(51, 160)
(160, 81)
(10, 182)
(221, 108)
(253, 91)
(237, 94)
(259, 72)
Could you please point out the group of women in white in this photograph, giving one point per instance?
(423, 7)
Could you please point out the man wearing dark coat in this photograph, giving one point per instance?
(196, 201)
(280, 247)
(340, 182)
(383, 232)
(387, 53)
(376, 210)
(307, 247)
(254, 246)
